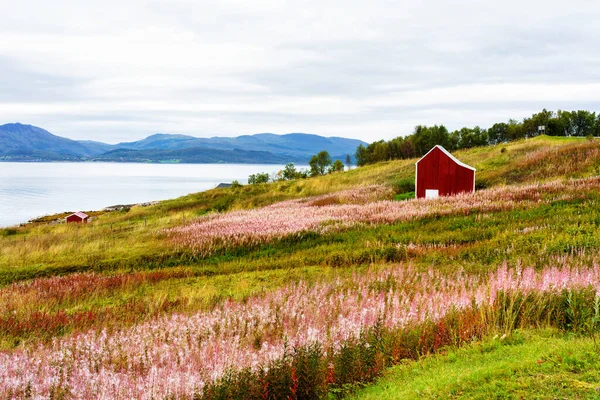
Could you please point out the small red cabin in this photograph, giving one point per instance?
(78, 217)
(439, 173)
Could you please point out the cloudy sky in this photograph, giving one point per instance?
(122, 70)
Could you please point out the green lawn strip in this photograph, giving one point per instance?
(530, 364)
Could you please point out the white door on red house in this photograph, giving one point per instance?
(432, 193)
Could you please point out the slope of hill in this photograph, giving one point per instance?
(546, 364)
(25, 142)
(96, 148)
(197, 155)
(159, 141)
(218, 276)
(20, 142)
(294, 146)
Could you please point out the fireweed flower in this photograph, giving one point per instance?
(177, 355)
(354, 207)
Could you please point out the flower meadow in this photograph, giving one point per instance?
(90, 335)
(354, 207)
(37, 308)
(303, 339)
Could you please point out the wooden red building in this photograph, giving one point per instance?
(77, 217)
(439, 173)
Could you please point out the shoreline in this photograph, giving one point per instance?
(59, 217)
(32, 192)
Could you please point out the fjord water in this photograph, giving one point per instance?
(30, 190)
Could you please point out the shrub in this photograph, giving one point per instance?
(261, 177)
(337, 166)
(405, 185)
(8, 232)
(395, 254)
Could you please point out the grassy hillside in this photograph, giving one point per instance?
(133, 239)
(208, 252)
(544, 364)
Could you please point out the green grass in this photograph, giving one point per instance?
(529, 364)
(543, 364)
(404, 196)
(121, 242)
(132, 239)
(476, 243)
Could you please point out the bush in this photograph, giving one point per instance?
(8, 232)
(337, 260)
(261, 177)
(481, 184)
(395, 254)
(223, 203)
(405, 185)
(337, 166)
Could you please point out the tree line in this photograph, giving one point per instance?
(561, 123)
(320, 164)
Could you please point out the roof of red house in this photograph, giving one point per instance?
(462, 164)
(79, 214)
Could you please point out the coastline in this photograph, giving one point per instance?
(43, 191)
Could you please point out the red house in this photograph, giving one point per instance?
(78, 217)
(439, 173)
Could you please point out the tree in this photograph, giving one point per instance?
(255, 179)
(289, 172)
(337, 166)
(454, 140)
(540, 119)
(555, 127)
(438, 135)
(565, 122)
(319, 163)
(348, 160)
(472, 138)
(498, 133)
(361, 155)
(583, 122)
(303, 174)
(421, 140)
(379, 151)
(515, 130)
(407, 149)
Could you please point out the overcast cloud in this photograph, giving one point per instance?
(122, 70)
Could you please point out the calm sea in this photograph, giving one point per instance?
(30, 190)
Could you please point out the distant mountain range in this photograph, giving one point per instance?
(19, 142)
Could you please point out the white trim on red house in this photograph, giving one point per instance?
(416, 176)
(462, 164)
